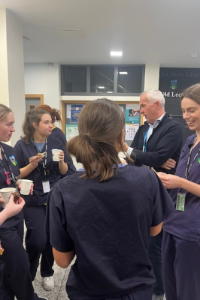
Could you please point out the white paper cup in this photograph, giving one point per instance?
(55, 154)
(25, 186)
(5, 194)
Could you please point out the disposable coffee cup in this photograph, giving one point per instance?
(5, 194)
(55, 154)
(25, 186)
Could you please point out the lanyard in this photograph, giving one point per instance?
(9, 175)
(145, 140)
(189, 166)
(44, 162)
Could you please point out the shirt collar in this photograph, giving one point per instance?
(155, 124)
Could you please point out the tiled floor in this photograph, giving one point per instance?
(59, 292)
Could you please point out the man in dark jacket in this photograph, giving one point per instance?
(157, 144)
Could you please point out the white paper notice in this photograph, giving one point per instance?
(131, 130)
(68, 111)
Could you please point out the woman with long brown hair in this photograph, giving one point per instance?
(34, 155)
(181, 239)
(105, 213)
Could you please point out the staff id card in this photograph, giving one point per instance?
(46, 186)
(180, 201)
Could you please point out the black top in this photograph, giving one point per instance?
(107, 224)
(10, 153)
(164, 143)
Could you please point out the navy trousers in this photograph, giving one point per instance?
(154, 251)
(181, 268)
(141, 294)
(37, 242)
(14, 269)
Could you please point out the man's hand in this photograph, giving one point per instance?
(169, 164)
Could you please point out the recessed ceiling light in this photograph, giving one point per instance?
(116, 53)
(123, 73)
(101, 87)
(194, 55)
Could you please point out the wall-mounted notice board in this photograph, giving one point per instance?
(71, 111)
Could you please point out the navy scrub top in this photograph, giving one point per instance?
(10, 153)
(58, 133)
(107, 224)
(186, 225)
(25, 151)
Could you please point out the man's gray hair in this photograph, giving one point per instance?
(155, 95)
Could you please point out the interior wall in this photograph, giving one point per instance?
(43, 79)
(12, 68)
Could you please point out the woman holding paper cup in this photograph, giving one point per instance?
(34, 155)
(14, 263)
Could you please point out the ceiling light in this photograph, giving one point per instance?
(109, 92)
(116, 53)
(101, 87)
(123, 73)
(194, 55)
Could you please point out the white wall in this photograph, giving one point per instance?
(12, 67)
(42, 79)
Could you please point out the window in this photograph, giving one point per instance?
(90, 80)
(74, 79)
(101, 79)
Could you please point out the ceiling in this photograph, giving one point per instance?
(147, 31)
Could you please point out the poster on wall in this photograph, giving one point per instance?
(75, 112)
(131, 130)
(132, 117)
(133, 114)
(71, 131)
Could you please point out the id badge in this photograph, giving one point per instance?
(46, 186)
(180, 201)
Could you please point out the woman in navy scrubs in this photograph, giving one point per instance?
(15, 278)
(44, 172)
(105, 213)
(181, 240)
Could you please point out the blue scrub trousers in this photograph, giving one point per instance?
(154, 251)
(181, 268)
(14, 269)
(37, 242)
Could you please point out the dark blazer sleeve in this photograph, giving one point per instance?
(138, 136)
(165, 147)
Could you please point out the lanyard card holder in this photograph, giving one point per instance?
(180, 201)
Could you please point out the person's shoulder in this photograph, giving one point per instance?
(137, 171)
(190, 139)
(7, 147)
(20, 142)
(54, 140)
(172, 121)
